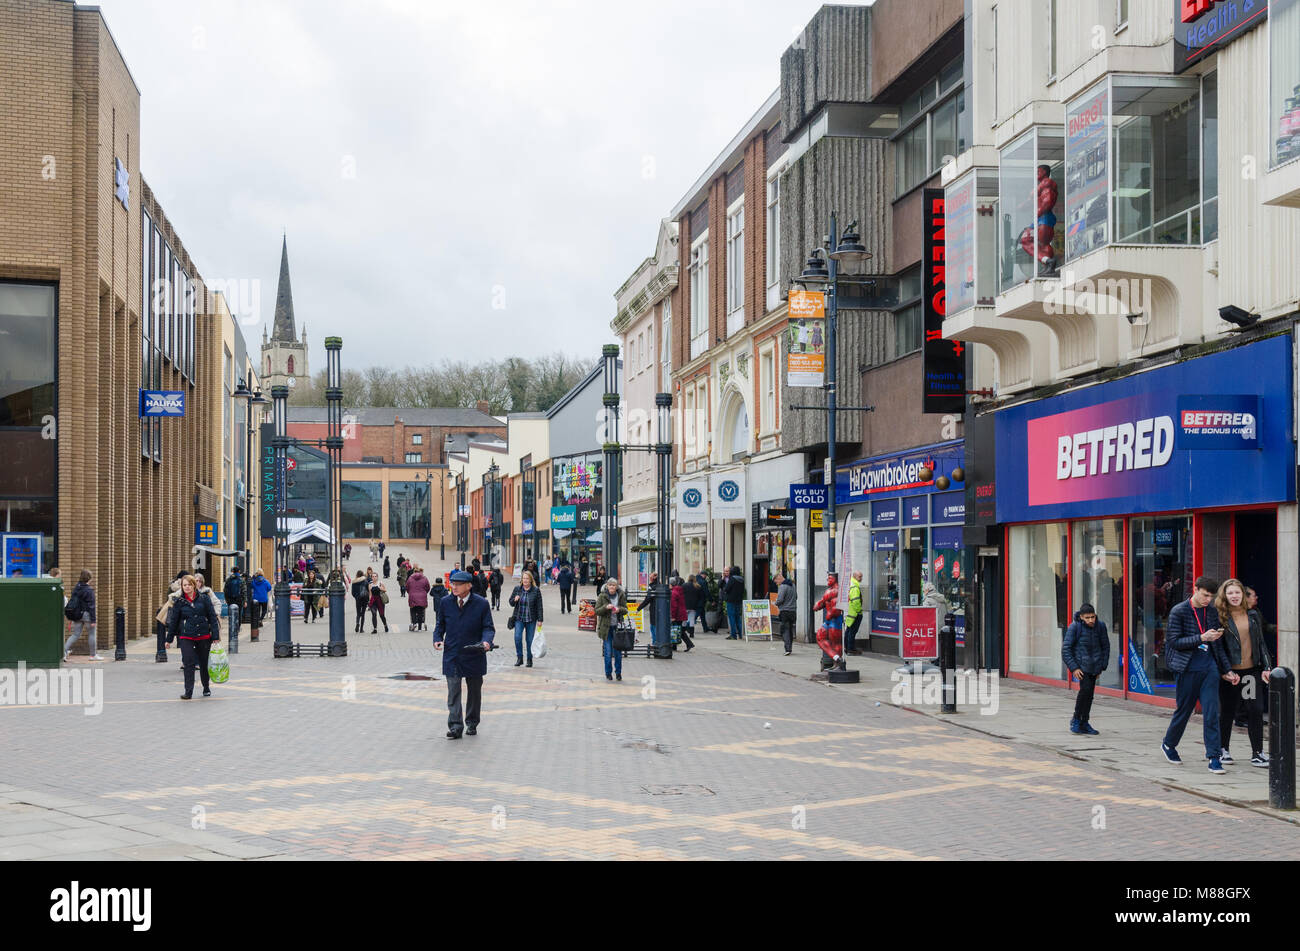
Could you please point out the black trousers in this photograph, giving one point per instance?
(417, 615)
(686, 638)
(786, 620)
(1083, 702)
(496, 598)
(377, 609)
(851, 633)
(473, 701)
(195, 654)
(566, 600)
(1233, 698)
(362, 605)
(261, 612)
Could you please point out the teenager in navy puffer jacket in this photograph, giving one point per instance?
(1086, 653)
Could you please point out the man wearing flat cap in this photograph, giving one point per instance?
(464, 634)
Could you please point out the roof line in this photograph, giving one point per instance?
(691, 198)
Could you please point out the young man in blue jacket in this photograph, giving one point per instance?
(1195, 653)
(1086, 653)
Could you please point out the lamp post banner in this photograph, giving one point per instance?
(805, 345)
(692, 502)
(727, 491)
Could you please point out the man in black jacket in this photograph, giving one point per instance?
(1086, 653)
(1196, 655)
(234, 592)
(734, 595)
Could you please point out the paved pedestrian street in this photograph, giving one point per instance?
(709, 756)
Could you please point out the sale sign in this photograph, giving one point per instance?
(920, 634)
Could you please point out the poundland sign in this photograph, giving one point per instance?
(1203, 26)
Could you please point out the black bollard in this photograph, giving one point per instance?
(233, 636)
(1281, 739)
(338, 646)
(283, 621)
(948, 662)
(119, 634)
(161, 656)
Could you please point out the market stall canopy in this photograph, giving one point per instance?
(315, 529)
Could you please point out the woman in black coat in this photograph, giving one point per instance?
(388, 567)
(361, 598)
(193, 620)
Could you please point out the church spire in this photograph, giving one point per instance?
(283, 328)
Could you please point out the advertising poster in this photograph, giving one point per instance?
(920, 640)
(21, 555)
(806, 339)
(758, 620)
(1087, 182)
(586, 615)
(296, 606)
(960, 254)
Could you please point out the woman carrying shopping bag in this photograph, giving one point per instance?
(193, 620)
(527, 602)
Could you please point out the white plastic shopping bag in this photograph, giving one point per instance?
(539, 643)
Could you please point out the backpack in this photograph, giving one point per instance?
(235, 588)
(73, 609)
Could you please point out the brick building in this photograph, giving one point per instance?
(82, 241)
(396, 436)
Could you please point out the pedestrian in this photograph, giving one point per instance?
(584, 569)
(565, 581)
(207, 592)
(734, 595)
(526, 600)
(361, 598)
(436, 594)
(611, 605)
(677, 610)
(403, 572)
(598, 579)
(378, 598)
(374, 550)
(495, 582)
(80, 610)
(830, 634)
(388, 568)
(236, 594)
(347, 552)
(786, 605)
(464, 633)
(193, 620)
(694, 605)
(1194, 652)
(261, 591)
(854, 614)
(1247, 650)
(309, 585)
(417, 592)
(1085, 651)
(652, 614)
(382, 546)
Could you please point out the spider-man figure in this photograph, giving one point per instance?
(830, 634)
(1047, 193)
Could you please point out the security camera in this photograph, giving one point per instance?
(1138, 320)
(1235, 315)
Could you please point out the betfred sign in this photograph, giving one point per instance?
(1218, 422)
(1203, 26)
(919, 638)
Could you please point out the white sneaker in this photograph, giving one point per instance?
(1224, 755)
(66, 655)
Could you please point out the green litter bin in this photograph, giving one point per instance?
(32, 627)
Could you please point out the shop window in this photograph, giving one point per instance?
(1098, 568)
(28, 376)
(30, 516)
(908, 318)
(1037, 609)
(699, 278)
(1162, 559)
(736, 268)
(1030, 206)
(970, 209)
(1284, 80)
(935, 121)
(913, 566)
(408, 509)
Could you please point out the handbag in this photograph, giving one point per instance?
(623, 636)
(676, 633)
(218, 664)
(383, 595)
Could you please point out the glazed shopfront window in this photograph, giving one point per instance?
(1037, 610)
(970, 207)
(912, 574)
(1162, 554)
(1099, 580)
(1031, 206)
(363, 509)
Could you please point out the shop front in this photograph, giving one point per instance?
(903, 518)
(775, 549)
(1122, 494)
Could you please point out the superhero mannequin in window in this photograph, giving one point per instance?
(1046, 195)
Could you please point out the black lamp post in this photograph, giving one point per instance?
(251, 398)
(428, 522)
(338, 646)
(612, 474)
(280, 443)
(491, 484)
(663, 477)
(462, 523)
(847, 249)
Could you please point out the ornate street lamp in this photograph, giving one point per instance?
(338, 646)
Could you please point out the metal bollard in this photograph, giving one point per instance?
(948, 662)
(1281, 739)
(119, 634)
(233, 635)
(161, 656)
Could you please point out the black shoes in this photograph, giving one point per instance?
(454, 734)
(471, 731)
(207, 692)
(620, 676)
(609, 676)
(519, 662)
(185, 696)
(530, 662)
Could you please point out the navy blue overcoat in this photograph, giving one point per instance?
(459, 627)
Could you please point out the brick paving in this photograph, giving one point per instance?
(710, 757)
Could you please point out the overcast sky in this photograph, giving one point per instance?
(430, 159)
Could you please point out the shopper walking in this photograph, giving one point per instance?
(382, 546)
(495, 582)
(565, 581)
(1085, 650)
(526, 600)
(261, 592)
(677, 610)
(598, 579)
(1194, 648)
(236, 595)
(378, 599)
(1248, 655)
(436, 594)
(611, 606)
(786, 605)
(584, 569)
(692, 599)
(649, 616)
(80, 610)
(388, 568)
(360, 598)
(417, 593)
(403, 572)
(193, 621)
(734, 596)
(310, 596)
(464, 633)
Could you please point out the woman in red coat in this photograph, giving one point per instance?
(830, 634)
(677, 609)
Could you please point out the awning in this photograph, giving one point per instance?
(595, 538)
(561, 532)
(218, 552)
(316, 530)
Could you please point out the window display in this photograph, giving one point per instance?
(1098, 568)
(1162, 577)
(1030, 206)
(1037, 611)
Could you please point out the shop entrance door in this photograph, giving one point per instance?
(1256, 559)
